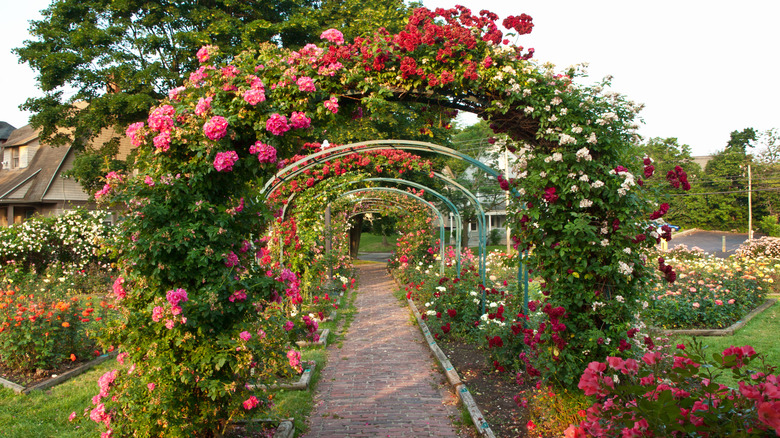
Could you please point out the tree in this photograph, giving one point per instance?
(725, 179)
(477, 141)
(667, 153)
(123, 57)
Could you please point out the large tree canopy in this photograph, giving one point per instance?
(122, 57)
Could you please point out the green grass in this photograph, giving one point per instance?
(45, 413)
(373, 243)
(760, 333)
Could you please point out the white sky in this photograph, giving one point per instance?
(702, 68)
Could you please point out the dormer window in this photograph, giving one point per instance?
(14, 158)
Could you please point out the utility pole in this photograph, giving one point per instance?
(750, 205)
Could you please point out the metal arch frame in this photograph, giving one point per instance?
(351, 148)
(433, 192)
(522, 268)
(312, 160)
(421, 200)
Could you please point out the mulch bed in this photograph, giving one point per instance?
(30, 378)
(492, 391)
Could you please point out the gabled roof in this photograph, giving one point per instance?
(30, 184)
(21, 136)
(5, 130)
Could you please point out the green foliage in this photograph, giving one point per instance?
(769, 226)
(494, 237)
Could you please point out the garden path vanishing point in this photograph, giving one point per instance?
(383, 382)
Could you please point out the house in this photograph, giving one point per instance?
(31, 178)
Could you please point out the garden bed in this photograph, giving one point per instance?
(729, 331)
(24, 382)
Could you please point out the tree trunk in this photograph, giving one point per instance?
(354, 236)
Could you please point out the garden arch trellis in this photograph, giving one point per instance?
(318, 158)
(433, 192)
(199, 153)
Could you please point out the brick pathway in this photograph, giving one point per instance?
(383, 382)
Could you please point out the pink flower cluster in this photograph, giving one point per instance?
(119, 290)
(294, 357)
(265, 153)
(332, 105)
(161, 118)
(133, 131)
(231, 260)
(277, 124)
(224, 161)
(203, 106)
(251, 403)
(306, 83)
(245, 336)
(334, 36)
(205, 52)
(239, 295)
(215, 128)
(678, 177)
(695, 401)
(298, 120)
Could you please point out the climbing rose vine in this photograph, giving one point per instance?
(193, 214)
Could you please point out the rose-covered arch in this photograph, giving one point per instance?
(202, 317)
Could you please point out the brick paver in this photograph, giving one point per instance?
(383, 382)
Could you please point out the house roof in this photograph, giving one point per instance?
(5, 130)
(30, 184)
(21, 136)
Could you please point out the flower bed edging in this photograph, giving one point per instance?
(301, 384)
(729, 331)
(285, 429)
(67, 375)
(452, 376)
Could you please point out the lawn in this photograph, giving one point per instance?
(373, 243)
(760, 333)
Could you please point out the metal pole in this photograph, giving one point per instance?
(328, 243)
(506, 204)
(750, 205)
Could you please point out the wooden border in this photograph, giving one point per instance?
(729, 331)
(61, 378)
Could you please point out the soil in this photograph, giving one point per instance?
(492, 391)
(30, 378)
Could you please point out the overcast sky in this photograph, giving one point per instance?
(702, 68)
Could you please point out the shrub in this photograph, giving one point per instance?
(763, 247)
(769, 225)
(673, 394)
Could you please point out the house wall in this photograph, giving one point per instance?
(66, 189)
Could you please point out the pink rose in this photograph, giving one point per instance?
(306, 83)
(245, 336)
(334, 36)
(250, 403)
(298, 120)
(253, 96)
(215, 128)
(119, 290)
(203, 106)
(205, 52)
(277, 124)
(224, 161)
(157, 313)
(332, 105)
(265, 153)
(162, 141)
(136, 138)
(161, 118)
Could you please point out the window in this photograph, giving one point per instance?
(14, 158)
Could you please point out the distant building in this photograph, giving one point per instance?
(31, 178)
(702, 160)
